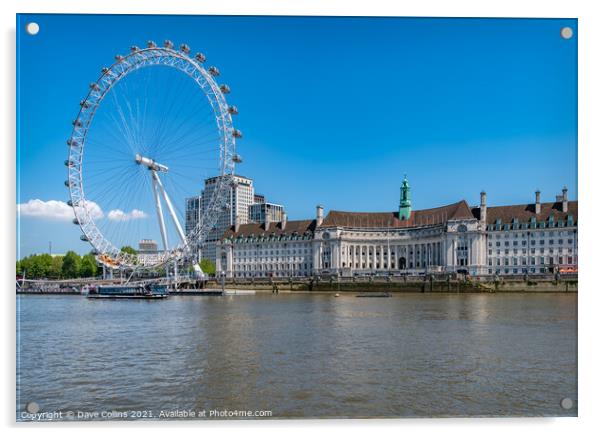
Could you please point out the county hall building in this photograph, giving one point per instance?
(523, 239)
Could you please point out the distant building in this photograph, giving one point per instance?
(241, 195)
(262, 212)
(147, 246)
(536, 238)
(241, 198)
(148, 251)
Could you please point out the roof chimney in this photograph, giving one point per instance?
(483, 207)
(319, 215)
(236, 224)
(267, 220)
(537, 202)
(565, 200)
(283, 222)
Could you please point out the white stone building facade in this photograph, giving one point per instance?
(532, 238)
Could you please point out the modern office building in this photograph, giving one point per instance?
(262, 212)
(241, 197)
(531, 238)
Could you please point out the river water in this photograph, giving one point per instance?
(300, 355)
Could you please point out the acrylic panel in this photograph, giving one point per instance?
(252, 217)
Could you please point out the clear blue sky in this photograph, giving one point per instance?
(334, 110)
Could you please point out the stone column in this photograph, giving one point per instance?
(373, 256)
(473, 251)
(335, 261)
(317, 249)
(362, 254)
(230, 261)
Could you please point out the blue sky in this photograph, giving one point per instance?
(333, 110)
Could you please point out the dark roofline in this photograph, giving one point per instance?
(258, 229)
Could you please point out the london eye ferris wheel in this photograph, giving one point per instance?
(150, 129)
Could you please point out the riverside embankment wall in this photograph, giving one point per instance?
(455, 286)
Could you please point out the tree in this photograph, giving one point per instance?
(23, 266)
(36, 265)
(128, 249)
(56, 268)
(88, 266)
(207, 266)
(71, 265)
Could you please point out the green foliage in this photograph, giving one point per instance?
(56, 268)
(71, 265)
(45, 266)
(88, 266)
(35, 266)
(207, 266)
(128, 249)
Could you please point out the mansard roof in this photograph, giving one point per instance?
(258, 229)
(437, 215)
(524, 212)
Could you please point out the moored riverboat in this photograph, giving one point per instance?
(140, 291)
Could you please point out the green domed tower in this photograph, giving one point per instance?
(405, 204)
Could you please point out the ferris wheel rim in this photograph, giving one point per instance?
(107, 252)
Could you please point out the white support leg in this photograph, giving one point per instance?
(156, 185)
(171, 210)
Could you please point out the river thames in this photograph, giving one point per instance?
(300, 355)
